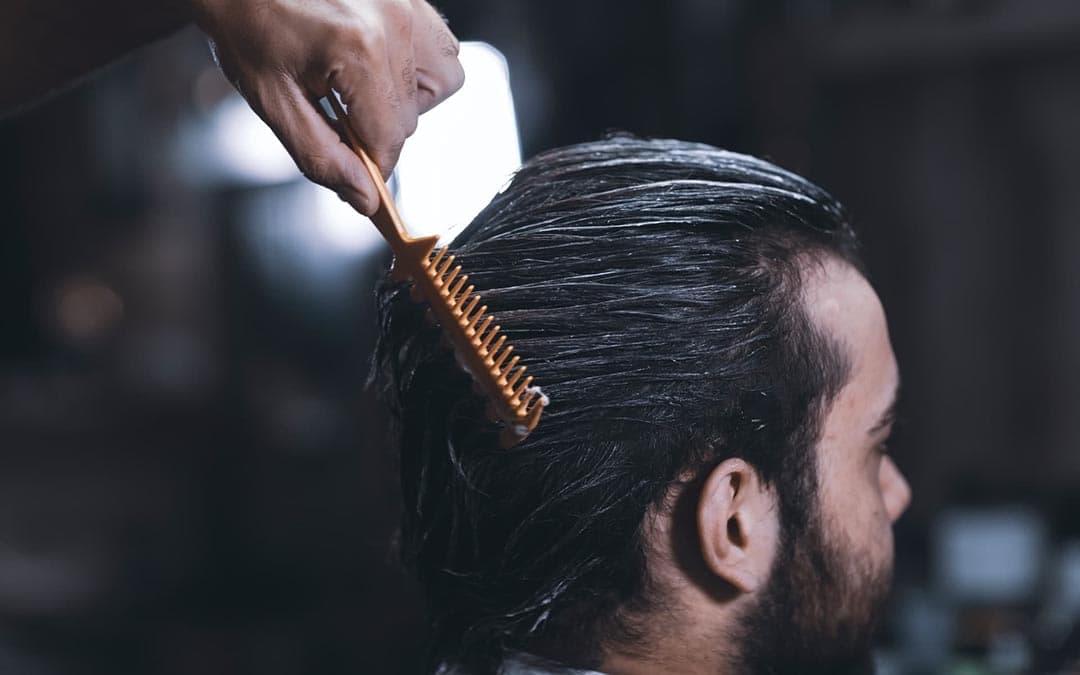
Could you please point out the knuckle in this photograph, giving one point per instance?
(388, 158)
(279, 77)
(408, 77)
(400, 7)
(368, 39)
(360, 35)
(388, 95)
(399, 14)
(335, 74)
(457, 77)
(398, 144)
(393, 148)
(447, 44)
(449, 81)
(315, 167)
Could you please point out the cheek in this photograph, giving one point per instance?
(883, 522)
(854, 504)
(855, 500)
(879, 525)
(883, 511)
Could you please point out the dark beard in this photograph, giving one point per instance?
(819, 611)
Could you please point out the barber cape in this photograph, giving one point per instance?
(520, 663)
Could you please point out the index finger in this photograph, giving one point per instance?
(315, 146)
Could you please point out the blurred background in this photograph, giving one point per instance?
(193, 478)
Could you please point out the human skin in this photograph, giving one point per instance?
(391, 60)
(714, 561)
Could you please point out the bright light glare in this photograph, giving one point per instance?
(339, 225)
(463, 151)
(249, 147)
(234, 146)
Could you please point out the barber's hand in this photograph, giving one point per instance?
(390, 60)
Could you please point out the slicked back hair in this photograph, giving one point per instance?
(653, 288)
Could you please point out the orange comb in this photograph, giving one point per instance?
(480, 348)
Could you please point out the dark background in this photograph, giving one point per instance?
(193, 478)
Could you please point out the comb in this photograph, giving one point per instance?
(481, 349)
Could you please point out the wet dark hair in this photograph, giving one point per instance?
(653, 287)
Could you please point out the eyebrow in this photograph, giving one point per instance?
(888, 416)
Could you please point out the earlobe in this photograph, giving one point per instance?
(735, 522)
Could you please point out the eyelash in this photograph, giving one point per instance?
(883, 447)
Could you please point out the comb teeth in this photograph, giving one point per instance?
(467, 307)
(434, 260)
(479, 314)
(439, 273)
(459, 305)
(487, 340)
(449, 278)
(514, 378)
(495, 347)
(455, 288)
(443, 264)
(530, 395)
(533, 415)
(503, 372)
(519, 399)
(497, 363)
(521, 388)
(483, 326)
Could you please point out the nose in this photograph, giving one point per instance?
(895, 491)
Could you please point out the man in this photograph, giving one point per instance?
(391, 61)
(708, 490)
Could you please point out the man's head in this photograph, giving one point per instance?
(706, 490)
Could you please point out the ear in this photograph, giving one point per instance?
(738, 526)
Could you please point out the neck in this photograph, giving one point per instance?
(695, 640)
(682, 659)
